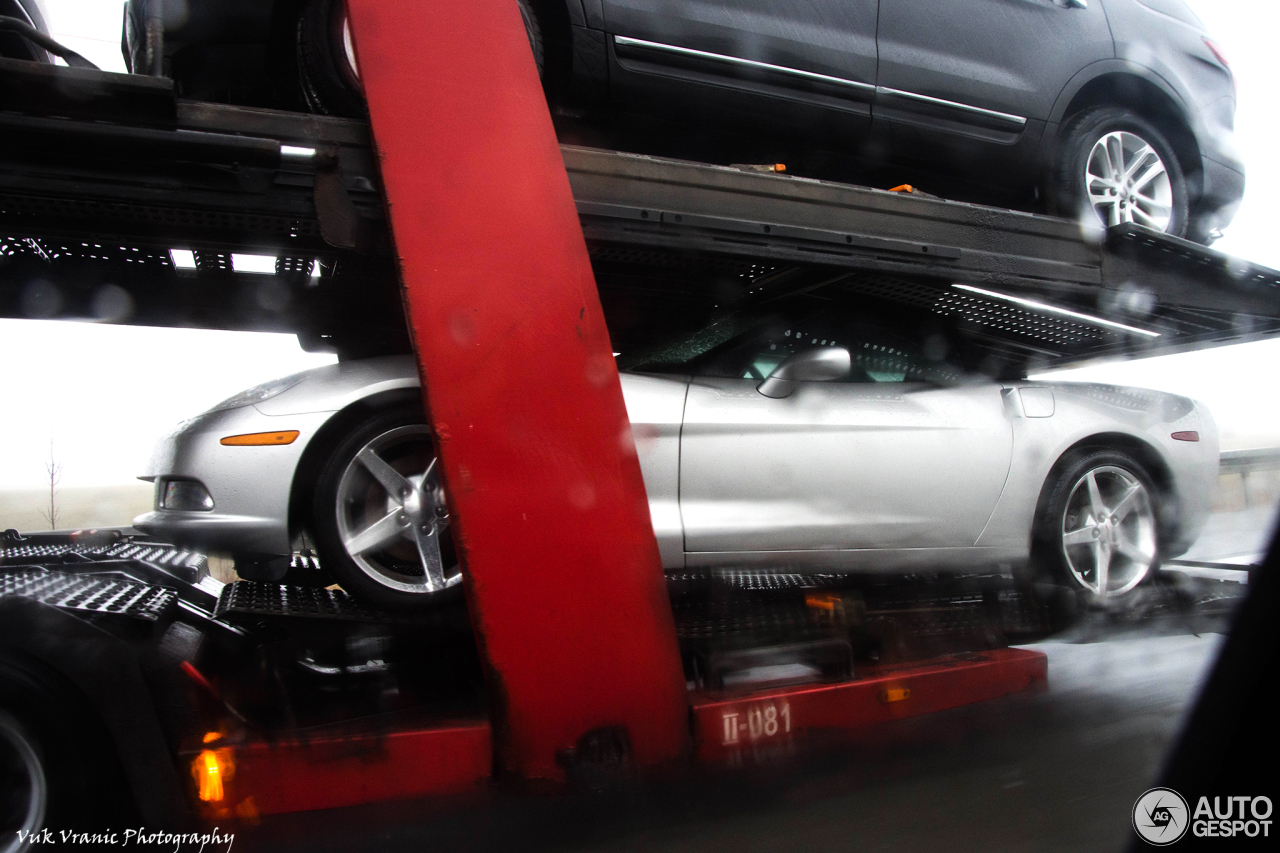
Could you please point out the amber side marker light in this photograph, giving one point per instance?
(1187, 435)
(211, 768)
(895, 694)
(822, 600)
(261, 439)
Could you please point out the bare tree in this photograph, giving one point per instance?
(54, 469)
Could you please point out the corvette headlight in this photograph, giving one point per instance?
(258, 393)
(183, 495)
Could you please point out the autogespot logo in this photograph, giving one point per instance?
(1160, 816)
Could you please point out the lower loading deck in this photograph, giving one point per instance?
(278, 699)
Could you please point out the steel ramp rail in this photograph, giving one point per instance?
(163, 173)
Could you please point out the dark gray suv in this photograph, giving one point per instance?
(1125, 106)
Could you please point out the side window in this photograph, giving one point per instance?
(752, 343)
(886, 356)
(884, 362)
(878, 351)
(770, 349)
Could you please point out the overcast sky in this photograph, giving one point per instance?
(104, 394)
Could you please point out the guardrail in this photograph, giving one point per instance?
(1243, 461)
(1246, 463)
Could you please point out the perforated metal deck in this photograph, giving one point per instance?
(187, 564)
(254, 599)
(665, 236)
(91, 594)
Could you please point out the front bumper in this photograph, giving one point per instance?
(250, 486)
(218, 532)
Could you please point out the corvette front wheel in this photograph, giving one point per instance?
(380, 518)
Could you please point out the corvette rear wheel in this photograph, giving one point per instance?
(1098, 533)
(379, 515)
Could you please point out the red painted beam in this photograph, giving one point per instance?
(561, 567)
(291, 776)
(737, 726)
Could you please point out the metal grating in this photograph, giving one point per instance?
(214, 262)
(989, 313)
(292, 266)
(255, 599)
(91, 594)
(685, 261)
(17, 208)
(54, 251)
(753, 622)
(304, 562)
(161, 555)
(1136, 237)
(29, 554)
(756, 580)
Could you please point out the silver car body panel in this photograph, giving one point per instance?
(1083, 411)
(839, 476)
(655, 405)
(840, 466)
(251, 486)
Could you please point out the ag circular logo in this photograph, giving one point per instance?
(1160, 816)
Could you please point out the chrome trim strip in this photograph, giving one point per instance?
(1018, 120)
(626, 41)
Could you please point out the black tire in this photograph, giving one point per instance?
(1080, 135)
(328, 81)
(24, 782)
(349, 499)
(327, 76)
(1064, 509)
(533, 30)
(1201, 230)
(14, 46)
(55, 767)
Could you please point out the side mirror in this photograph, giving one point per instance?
(820, 364)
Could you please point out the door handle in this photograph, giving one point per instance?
(1072, 4)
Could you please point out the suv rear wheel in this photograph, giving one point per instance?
(1116, 166)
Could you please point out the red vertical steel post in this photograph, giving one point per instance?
(549, 511)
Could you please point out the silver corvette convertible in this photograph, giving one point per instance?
(814, 436)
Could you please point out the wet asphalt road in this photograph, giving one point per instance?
(1054, 771)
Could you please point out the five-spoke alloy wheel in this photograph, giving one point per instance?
(1098, 529)
(380, 518)
(1109, 531)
